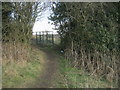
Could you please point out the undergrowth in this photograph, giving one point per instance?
(19, 74)
(71, 77)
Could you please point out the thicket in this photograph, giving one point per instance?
(89, 36)
(18, 19)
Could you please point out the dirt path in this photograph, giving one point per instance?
(50, 71)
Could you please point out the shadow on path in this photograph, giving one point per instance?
(50, 70)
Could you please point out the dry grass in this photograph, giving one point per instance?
(71, 77)
(19, 74)
(15, 51)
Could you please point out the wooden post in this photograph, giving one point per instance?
(40, 36)
(43, 37)
(36, 38)
(52, 38)
(46, 37)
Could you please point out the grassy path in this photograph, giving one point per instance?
(48, 69)
(58, 73)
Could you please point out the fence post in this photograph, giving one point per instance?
(36, 38)
(52, 38)
(43, 37)
(46, 37)
(40, 36)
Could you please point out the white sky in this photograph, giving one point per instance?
(42, 24)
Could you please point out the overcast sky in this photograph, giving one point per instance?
(42, 24)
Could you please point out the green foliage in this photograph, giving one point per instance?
(92, 24)
(72, 77)
(18, 20)
(89, 35)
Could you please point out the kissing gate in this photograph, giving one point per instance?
(44, 37)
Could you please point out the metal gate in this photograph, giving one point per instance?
(44, 37)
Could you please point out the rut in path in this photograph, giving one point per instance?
(50, 71)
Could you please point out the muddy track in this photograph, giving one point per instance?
(49, 72)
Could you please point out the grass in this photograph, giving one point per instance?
(71, 77)
(24, 74)
(21, 74)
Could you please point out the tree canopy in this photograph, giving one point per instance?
(89, 34)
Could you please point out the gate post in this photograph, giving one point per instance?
(40, 36)
(36, 38)
(46, 37)
(43, 37)
(52, 38)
